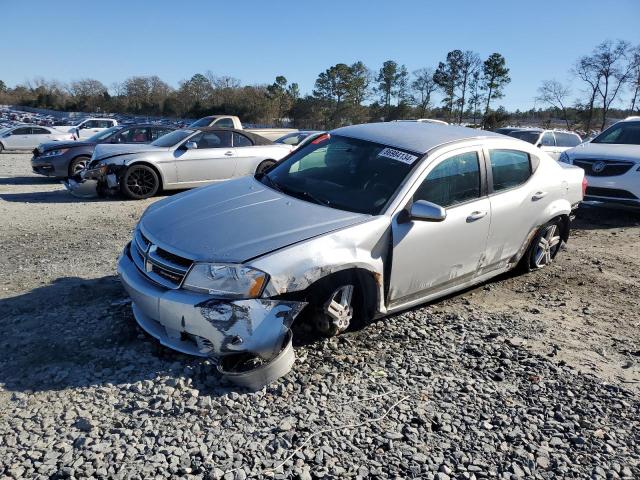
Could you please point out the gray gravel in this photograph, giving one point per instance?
(451, 390)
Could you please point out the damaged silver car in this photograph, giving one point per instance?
(361, 222)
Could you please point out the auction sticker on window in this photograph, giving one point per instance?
(398, 155)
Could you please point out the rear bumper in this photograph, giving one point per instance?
(197, 324)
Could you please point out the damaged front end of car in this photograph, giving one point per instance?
(97, 180)
(249, 338)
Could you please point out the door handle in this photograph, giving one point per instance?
(229, 154)
(477, 215)
(539, 195)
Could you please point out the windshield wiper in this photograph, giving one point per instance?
(304, 194)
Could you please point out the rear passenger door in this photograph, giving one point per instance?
(517, 197)
(431, 257)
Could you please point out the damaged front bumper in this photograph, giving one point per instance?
(92, 183)
(195, 324)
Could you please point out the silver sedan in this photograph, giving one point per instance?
(181, 159)
(361, 222)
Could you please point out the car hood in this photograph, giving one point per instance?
(57, 145)
(606, 151)
(111, 150)
(238, 220)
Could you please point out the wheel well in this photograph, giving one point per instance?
(146, 164)
(564, 226)
(365, 289)
(75, 158)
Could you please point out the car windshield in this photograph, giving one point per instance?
(170, 139)
(627, 133)
(527, 136)
(203, 122)
(292, 138)
(343, 173)
(103, 134)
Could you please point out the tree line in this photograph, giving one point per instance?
(463, 87)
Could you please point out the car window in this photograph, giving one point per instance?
(132, 135)
(526, 135)
(548, 140)
(455, 180)
(241, 140)
(158, 132)
(104, 123)
(40, 131)
(567, 139)
(218, 139)
(509, 168)
(627, 133)
(22, 131)
(90, 124)
(203, 122)
(224, 122)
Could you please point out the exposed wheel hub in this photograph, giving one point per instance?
(337, 312)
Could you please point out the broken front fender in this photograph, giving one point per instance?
(195, 324)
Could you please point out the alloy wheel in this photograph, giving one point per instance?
(547, 247)
(141, 181)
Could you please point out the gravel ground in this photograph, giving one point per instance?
(531, 376)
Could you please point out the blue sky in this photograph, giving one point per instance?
(257, 40)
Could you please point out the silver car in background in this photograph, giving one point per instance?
(361, 222)
(182, 159)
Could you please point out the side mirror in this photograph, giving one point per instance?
(191, 145)
(427, 211)
(539, 145)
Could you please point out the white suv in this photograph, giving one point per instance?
(611, 163)
(553, 142)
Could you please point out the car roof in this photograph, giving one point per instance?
(419, 137)
(257, 139)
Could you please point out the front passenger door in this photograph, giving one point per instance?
(432, 257)
(213, 159)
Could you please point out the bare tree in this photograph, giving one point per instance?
(612, 61)
(470, 64)
(587, 70)
(423, 87)
(555, 94)
(635, 77)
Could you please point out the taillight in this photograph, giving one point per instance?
(584, 186)
(320, 139)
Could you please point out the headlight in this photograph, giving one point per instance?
(226, 280)
(55, 153)
(564, 158)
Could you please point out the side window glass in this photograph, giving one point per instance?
(224, 123)
(455, 180)
(22, 131)
(567, 139)
(509, 168)
(158, 132)
(138, 135)
(241, 140)
(548, 140)
(39, 131)
(219, 139)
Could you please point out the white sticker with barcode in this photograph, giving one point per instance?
(398, 155)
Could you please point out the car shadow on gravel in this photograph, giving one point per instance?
(595, 217)
(79, 332)
(56, 196)
(28, 181)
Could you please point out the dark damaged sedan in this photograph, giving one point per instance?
(65, 159)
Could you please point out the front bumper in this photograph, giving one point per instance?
(620, 189)
(197, 324)
(50, 166)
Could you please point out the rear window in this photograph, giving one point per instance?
(527, 136)
(509, 168)
(567, 139)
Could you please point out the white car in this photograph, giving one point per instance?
(611, 163)
(554, 142)
(89, 127)
(28, 137)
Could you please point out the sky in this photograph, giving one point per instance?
(255, 41)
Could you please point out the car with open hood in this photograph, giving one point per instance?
(611, 162)
(65, 159)
(361, 222)
(182, 159)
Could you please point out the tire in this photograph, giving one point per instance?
(265, 165)
(544, 247)
(1, 147)
(77, 164)
(139, 181)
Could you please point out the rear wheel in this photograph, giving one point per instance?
(264, 166)
(139, 181)
(78, 164)
(544, 247)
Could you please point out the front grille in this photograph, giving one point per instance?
(610, 192)
(603, 168)
(160, 266)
